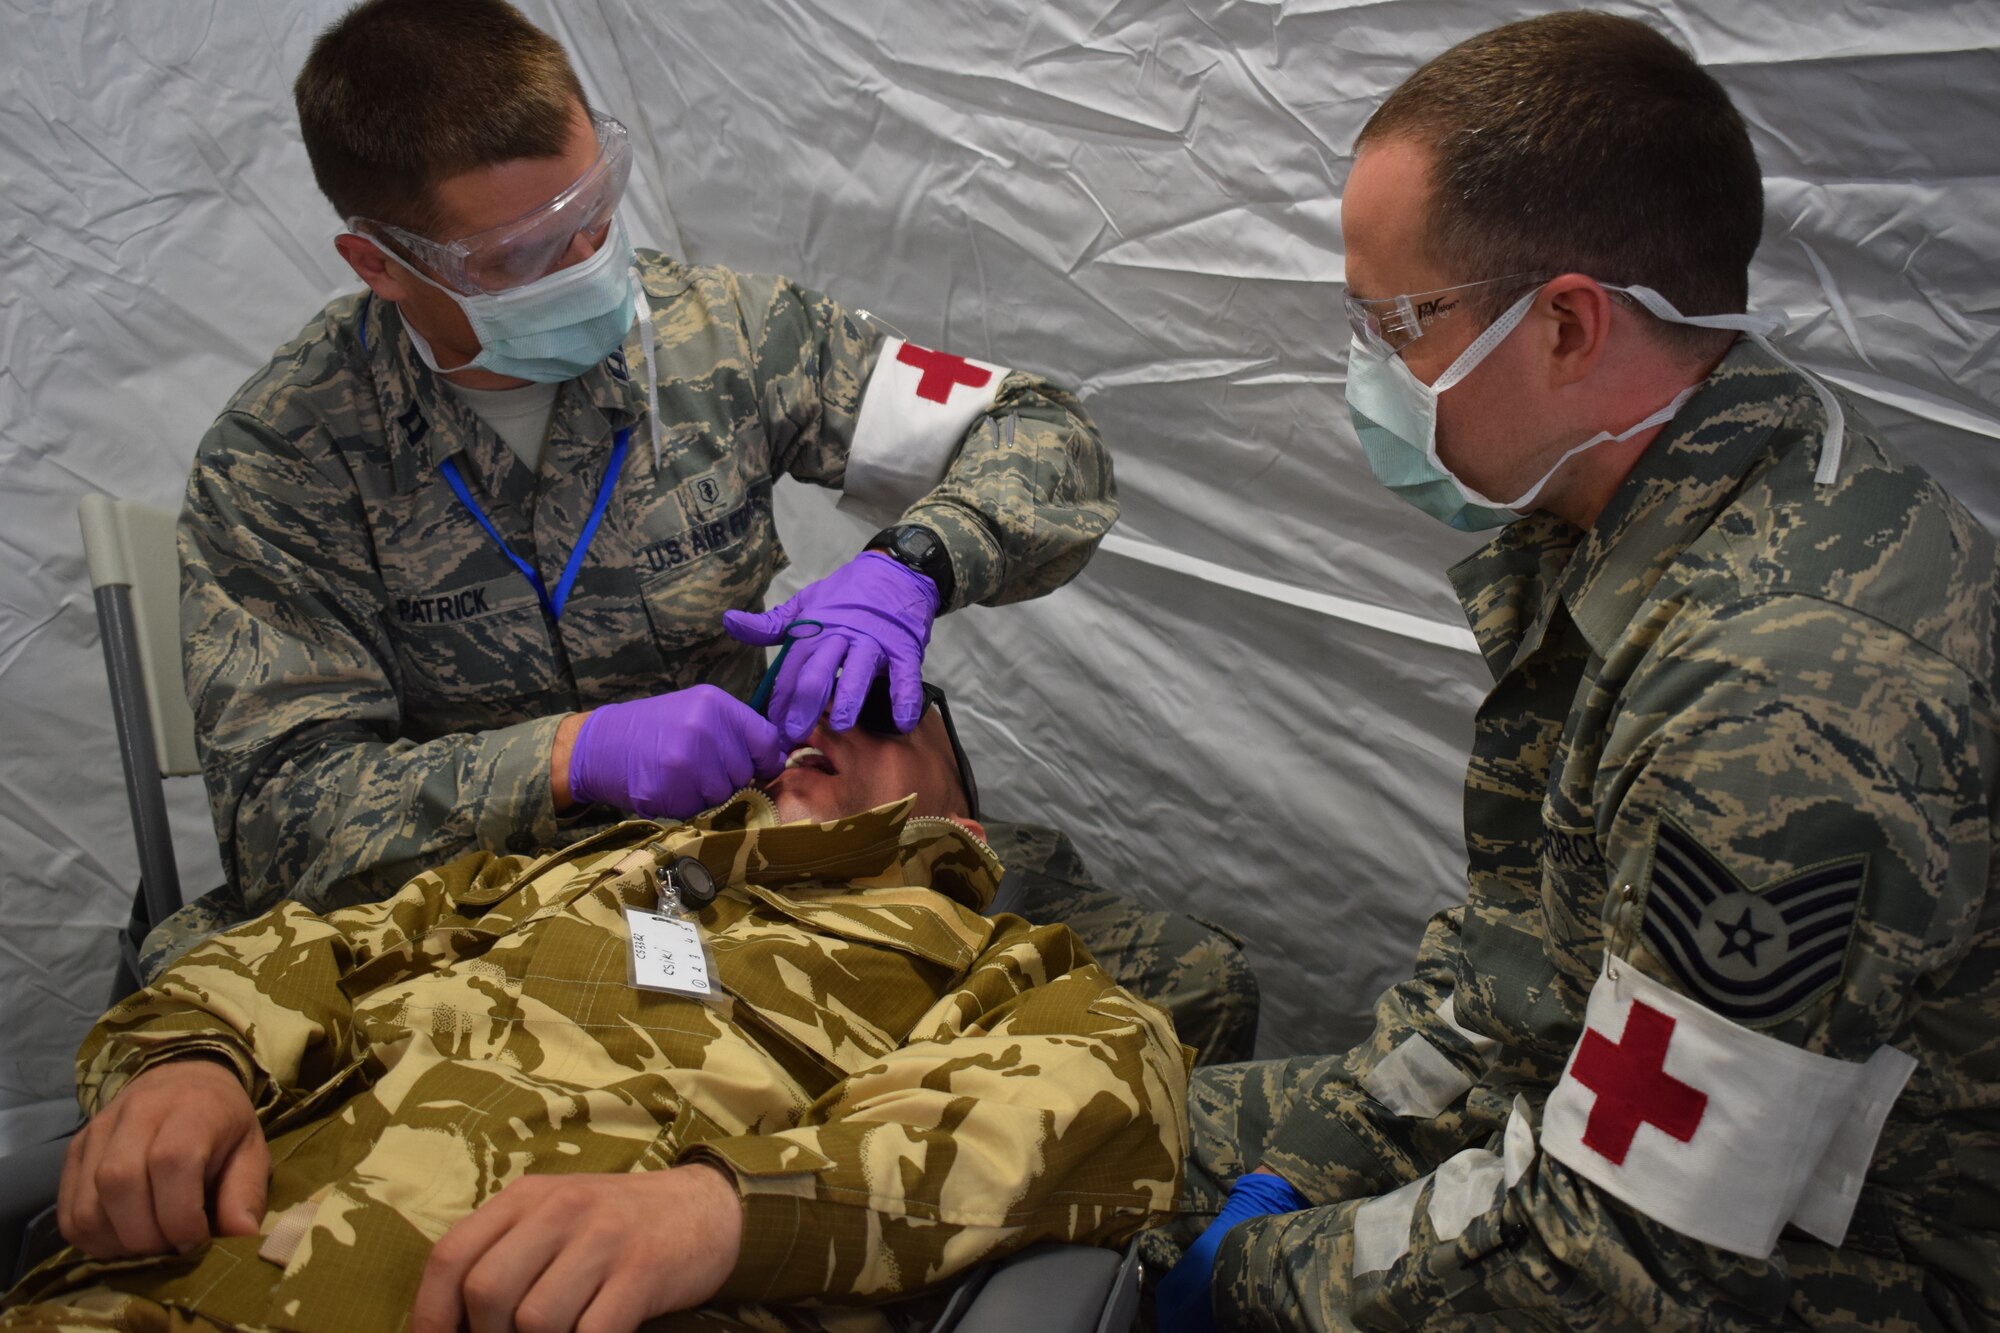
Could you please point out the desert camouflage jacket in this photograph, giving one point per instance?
(408, 1058)
(376, 687)
(1739, 690)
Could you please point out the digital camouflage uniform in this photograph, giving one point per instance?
(1737, 668)
(900, 1086)
(376, 688)
(1193, 969)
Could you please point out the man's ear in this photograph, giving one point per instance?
(386, 279)
(1576, 313)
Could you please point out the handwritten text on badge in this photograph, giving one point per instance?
(667, 953)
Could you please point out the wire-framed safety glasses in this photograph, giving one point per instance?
(1388, 324)
(530, 246)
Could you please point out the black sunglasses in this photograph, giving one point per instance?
(877, 718)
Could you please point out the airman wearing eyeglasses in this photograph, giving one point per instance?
(1706, 1043)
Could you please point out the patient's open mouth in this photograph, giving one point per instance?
(808, 757)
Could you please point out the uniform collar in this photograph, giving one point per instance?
(1503, 586)
(743, 840)
(425, 424)
(1676, 491)
(1510, 586)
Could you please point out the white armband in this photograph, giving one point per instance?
(1467, 1185)
(915, 412)
(1717, 1131)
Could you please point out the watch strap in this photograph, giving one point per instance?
(917, 547)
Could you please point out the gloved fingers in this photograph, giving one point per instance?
(718, 752)
(741, 744)
(805, 682)
(857, 677)
(662, 753)
(760, 629)
(672, 755)
(763, 745)
(655, 792)
(718, 780)
(731, 774)
(674, 786)
(1184, 1301)
(906, 690)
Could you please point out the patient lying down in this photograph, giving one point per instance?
(453, 1106)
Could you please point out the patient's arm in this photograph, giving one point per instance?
(1036, 1101)
(179, 1076)
(137, 1178)
(627, 1247)
(266, 998)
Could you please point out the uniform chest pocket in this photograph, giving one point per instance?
(473, 655)
(843, 979)
(702, 557)
(591, 1024)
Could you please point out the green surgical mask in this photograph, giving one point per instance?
(554, 328)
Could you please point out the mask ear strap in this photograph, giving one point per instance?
(1659, 418)
(649, 343)
(1760, 329)
(1468, 360)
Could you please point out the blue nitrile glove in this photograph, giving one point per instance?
(875, 615)
(672, 755)
(1183, 1300)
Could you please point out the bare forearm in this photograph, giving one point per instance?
(559, 756)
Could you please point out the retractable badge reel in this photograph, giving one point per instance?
(668, 952)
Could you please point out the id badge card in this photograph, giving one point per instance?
(667, 954)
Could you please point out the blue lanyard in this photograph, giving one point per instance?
(553, 605)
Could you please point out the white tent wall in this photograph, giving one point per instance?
(1138, 199)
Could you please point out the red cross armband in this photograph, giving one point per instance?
(915, 413)
(1717, 1131)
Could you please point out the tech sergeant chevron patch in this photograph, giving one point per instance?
(1753, 956)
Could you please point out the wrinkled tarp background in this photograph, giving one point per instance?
(1136, 198)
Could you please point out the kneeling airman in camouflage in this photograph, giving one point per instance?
(1709, 1043)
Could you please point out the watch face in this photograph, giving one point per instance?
(917, 547)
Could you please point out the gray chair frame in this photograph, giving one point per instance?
(135, 580)
(135, 583)
(1051, 1288)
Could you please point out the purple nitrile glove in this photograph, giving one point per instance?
(876, 615)
(672, 755)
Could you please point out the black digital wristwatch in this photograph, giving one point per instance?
(918, 548)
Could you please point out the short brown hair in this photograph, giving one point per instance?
(1582, 142)
(399, 95)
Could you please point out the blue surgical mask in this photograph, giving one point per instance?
(554, 328)
(1395, 415)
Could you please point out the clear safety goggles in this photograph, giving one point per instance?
(1388, 324)
(530, 246)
